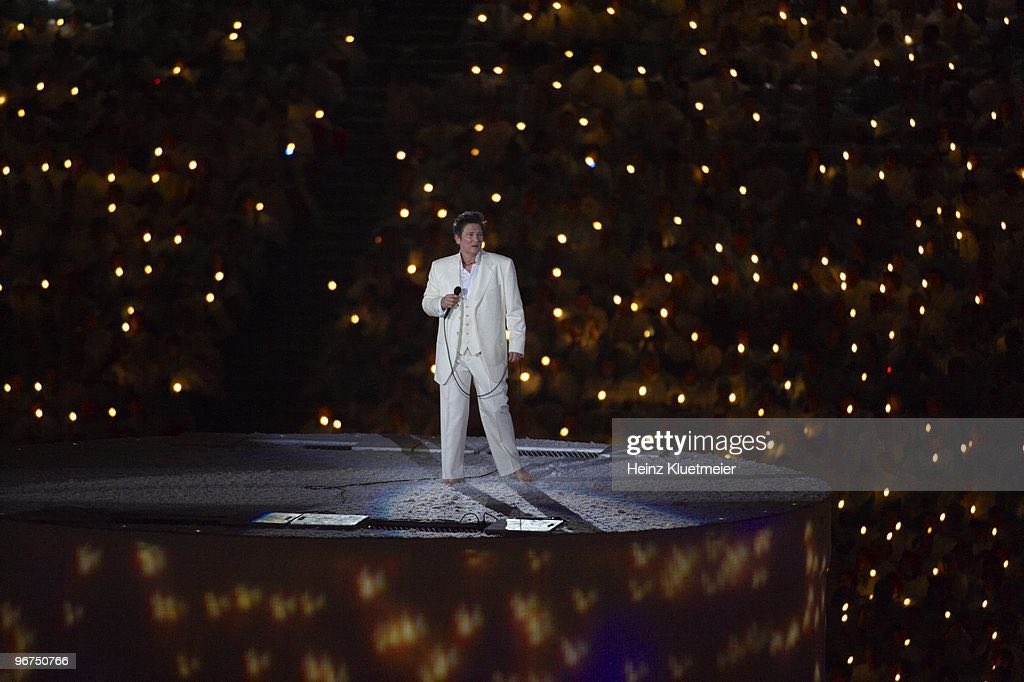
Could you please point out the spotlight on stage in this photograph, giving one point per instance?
(506, 526)
(346, 521)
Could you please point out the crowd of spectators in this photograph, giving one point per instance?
(154, 156)
(738, 209)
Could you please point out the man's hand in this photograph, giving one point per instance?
(449, 301)
(514, 358)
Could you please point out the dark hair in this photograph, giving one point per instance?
(466, 218)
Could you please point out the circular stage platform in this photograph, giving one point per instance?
(322, 557)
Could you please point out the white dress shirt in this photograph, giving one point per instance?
(466, 277)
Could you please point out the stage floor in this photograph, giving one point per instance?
(141, 557)
(219, 483)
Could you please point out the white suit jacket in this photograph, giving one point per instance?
(495, 304)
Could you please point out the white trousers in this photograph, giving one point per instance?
(494, 414)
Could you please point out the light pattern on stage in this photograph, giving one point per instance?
(728, 600)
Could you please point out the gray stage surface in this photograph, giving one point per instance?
(219, 483)
(141, 556)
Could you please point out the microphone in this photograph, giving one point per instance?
(458, 292)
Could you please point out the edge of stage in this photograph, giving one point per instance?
(154, 540)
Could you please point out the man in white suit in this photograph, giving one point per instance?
(475, 294)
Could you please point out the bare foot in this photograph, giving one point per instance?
(452, 481)
(522, 474)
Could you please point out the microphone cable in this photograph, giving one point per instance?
(451, 365)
